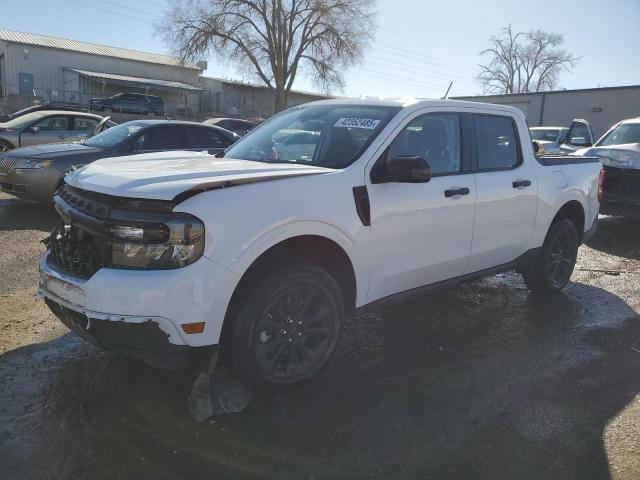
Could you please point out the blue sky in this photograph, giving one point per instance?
(420, 45)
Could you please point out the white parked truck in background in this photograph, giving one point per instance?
(165, 254)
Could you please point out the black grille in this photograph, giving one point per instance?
(85, 202)
(622, 182)
(77, 252)
(7, 164)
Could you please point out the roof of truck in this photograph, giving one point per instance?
(414, 102)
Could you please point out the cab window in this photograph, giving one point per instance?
(162, 138)
(434, 137)
(84, 124)
(207, 138)
(497, 142)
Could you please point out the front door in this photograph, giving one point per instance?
(507, 194)
(421, 233)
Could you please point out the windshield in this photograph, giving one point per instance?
(623, 133)
(330, 136)
(541, 134)
(115, 135)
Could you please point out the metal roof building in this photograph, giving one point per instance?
(601, 107)
(54, 69)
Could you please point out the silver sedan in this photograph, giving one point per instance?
(48, 126)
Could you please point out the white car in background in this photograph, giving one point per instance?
(619, 152)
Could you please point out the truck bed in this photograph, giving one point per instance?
(555, 160)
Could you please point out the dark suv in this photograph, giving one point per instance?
(129, 103)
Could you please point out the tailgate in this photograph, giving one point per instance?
(622, 185)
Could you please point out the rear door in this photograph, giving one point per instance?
(507, 193)
(51, 129)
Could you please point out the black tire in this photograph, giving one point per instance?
(286, 327)
(556, 260)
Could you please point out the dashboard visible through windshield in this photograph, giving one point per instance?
(330, 136)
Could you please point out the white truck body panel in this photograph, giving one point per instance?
(416, 237)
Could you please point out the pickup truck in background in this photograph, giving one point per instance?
(265, 257)
(619, 152)
(563, 140)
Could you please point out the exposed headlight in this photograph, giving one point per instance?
(33, 163)
(175, 243)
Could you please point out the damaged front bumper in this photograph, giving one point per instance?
(156, 338)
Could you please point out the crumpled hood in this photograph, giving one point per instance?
(617, 156)
(164, 175)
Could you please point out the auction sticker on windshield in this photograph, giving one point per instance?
(366, 123)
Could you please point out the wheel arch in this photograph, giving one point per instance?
(574, 211)
(311, 249)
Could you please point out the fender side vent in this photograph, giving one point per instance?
(361, 197)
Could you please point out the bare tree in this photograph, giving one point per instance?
(274, 39)
(524, 62)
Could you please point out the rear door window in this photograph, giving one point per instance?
(207, 138)
(83, 124)
(497, 143)
(163, 138)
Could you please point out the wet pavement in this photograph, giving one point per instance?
(484, 381)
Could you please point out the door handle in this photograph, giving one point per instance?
(521, 183)
(456, 191)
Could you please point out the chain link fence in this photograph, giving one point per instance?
(128, 106)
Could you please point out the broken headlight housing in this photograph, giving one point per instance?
(174, 242)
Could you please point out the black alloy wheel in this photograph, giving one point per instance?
(288, 327)
(556, 260)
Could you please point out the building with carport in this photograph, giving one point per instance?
(44, 69)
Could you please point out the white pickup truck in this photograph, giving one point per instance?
(265, 252)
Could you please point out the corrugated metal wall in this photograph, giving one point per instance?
(46, 65)
(602, 107)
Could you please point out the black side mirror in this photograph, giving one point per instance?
(33, 129)
(410, 169)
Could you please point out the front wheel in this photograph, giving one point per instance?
(556, 260)
(287, 327)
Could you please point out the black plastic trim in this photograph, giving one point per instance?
(523, 262)
(141, 340)
(556, 160)
(363, 207)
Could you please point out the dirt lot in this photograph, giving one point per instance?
(484, 382)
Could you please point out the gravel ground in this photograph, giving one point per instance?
(484, 381)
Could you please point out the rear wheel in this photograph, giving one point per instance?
(556, 260)
(287, 327)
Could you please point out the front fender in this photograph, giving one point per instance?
(252, 250)
(243, 222)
